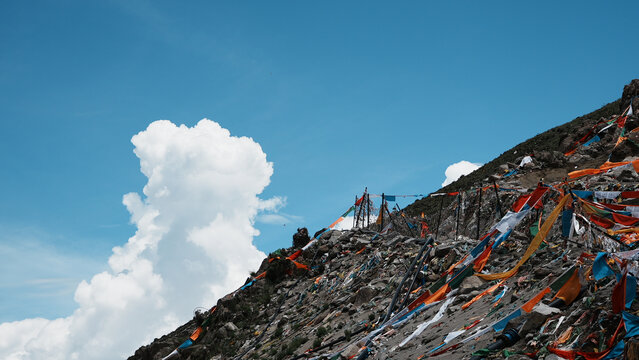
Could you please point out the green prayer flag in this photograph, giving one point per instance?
(557, 284)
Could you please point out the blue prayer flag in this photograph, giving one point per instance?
(566, 222)
(593, 140)
(501, 325)
(186, 344)
(583, 194)
(600, 268)
(616, 351)
(502, 238)
(631, 323)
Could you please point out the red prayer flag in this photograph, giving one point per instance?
(519, 203)
(630, 194)
(603, 222)
(624, 219)
(536, 195)
(619, 296)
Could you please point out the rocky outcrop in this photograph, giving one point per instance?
(331, 302)
(630, 91)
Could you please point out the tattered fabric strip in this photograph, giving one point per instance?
(541, 235)
(426, 324)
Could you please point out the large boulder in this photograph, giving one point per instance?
(301, 238)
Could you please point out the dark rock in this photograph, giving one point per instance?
(624, 150)
(629, 91)
(301, 238)
(278, 269)
(363, 295)
(537, 317)
(471, 283)
(541, 273)
(442, 250)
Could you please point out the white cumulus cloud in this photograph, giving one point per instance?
(347, 223)
(193, 245)
(456, 170)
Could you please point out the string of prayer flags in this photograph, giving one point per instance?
(534, 244)
(603, 168)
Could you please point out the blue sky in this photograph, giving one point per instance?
(339, 95)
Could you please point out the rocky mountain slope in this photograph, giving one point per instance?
(551, 274)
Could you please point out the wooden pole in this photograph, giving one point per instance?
(406, 221)
(391, 218)
(381, 213)
(501, 212)
(359, 211)
(368, 208)
(356, 217)
(479, 210)
(439, 217)
(458, 214)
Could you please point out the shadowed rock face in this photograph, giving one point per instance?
(630, 91)
(354, 274)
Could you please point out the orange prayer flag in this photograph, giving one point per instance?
(336, 222)
(570, 152)
(621, 139)
(532, 302)
(482, 259)
(294, 255)
(564, 336)
(486, 292)
(438, 295)
(584, 172)
(196, 334)
(452, 267)
(568, 293)
(419, 300)
(300, 266)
